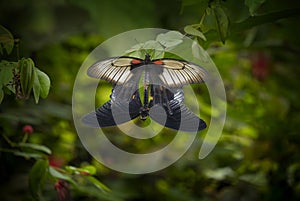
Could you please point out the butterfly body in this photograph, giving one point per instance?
(162, 82)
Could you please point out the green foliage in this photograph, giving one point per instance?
(254, 5)
(27, 76)
(218, 20)
(37, 178)
(20, 77)
(58, 175)
(193, 30)
(79, 177)
(31, 78)
(6, 69)
(89, 170)
(6, 41)
(6, 77)
(222, 22)
(41, 85)
(36, 147)
(158, 47)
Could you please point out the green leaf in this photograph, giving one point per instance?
(37, 178)
(98, 184)
(152, 44)
(72, 169)
(41, 85)
(255, 21)
(155, 48)
(136, 47)
(253, 5)
(36, 87)
(26, 75)
(7, 75)
(6, 72)
(192, 30)
(263, 19)
(36, 147)
(27, 154)
(44, 83)
(152, 47)
(89, 169)
(208, 21)
(170, 39)
(6, 40)
(222, 22)
(59, 175)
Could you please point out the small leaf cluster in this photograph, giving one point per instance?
(217, 22)
(214, 18)
(157, 48)
(42, 172)
(20, 77)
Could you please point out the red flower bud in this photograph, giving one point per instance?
(55, 161)
(27, 129)
(63, 191)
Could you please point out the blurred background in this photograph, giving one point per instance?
(257, 157)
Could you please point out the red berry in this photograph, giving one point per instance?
(27, 129)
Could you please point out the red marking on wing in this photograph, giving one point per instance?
(158, 62)
(135, 61)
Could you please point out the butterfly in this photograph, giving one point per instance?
(163, 96)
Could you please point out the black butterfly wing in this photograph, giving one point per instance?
(101, 117)
(171, 73)
(104, 116)
(181, 117)
(117, 70)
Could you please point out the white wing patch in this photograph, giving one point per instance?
(114, 70)
(179, 73)
(174, 73)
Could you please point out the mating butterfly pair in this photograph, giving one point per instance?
(162, 81)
